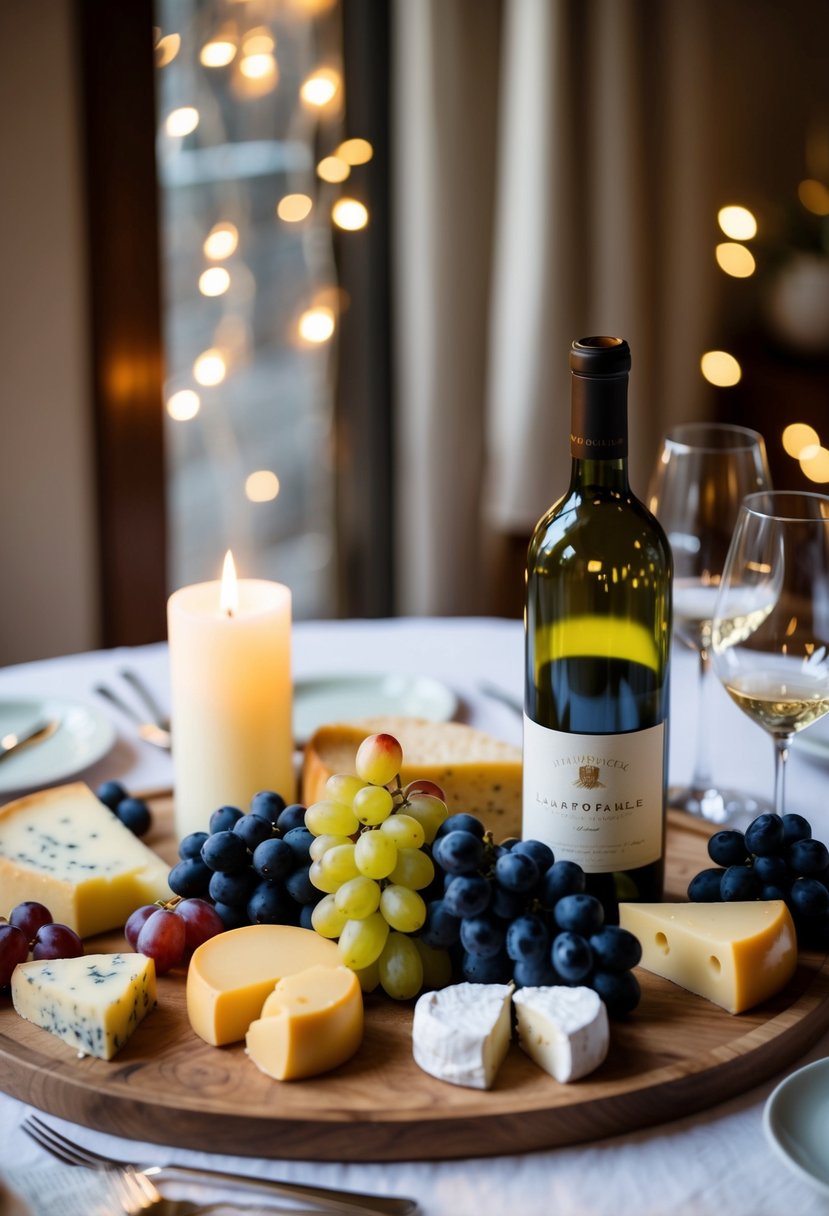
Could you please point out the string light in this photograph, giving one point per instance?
(349, 214)
(316, 325)
(800, 440)
(355, 151)
(210, 368)
(218, 52)
(214, 282)
(720, 368)
(221, 241)
(262, 486)
(294, 207)
(736, 260)
(333, 169)
(182, 121)
(737, 222)
(184, 405)
(320, 88)
(261, 68)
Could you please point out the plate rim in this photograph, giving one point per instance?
(367, 678)
(776, 1141)
(40, 704)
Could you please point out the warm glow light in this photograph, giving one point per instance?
(229, 593)
(349, 214)
(182, 121)
(735, 260)
(355, 151)
(737, 222)
(166, 49)
(262, 486)
(221, 241)
(720, 368)
(798, 437)
(259, 67)
(816, 467)
(814, 196)
(259, 41)
(320, 88)
(293, 208)
(218, 53)
(210, 367)
(183, 405)
(214, 282)
(317, 324)
(333, 169)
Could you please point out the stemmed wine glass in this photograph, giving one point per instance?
(703, 472)
(770, 629)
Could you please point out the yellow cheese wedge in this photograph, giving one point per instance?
(230, 975)
(735, 954)
(65, 849)
(312, 1022)
(478, 774)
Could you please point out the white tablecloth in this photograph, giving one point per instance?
(704, 1165)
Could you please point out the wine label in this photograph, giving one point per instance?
(595, 799)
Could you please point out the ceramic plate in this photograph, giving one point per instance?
(82, 738)
(796, 1120)
(343, 698)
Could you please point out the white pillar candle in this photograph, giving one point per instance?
(230, 669)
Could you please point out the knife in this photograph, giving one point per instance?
(39, 730)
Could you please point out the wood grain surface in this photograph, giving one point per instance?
(675, 1055)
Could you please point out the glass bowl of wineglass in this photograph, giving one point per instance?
(770, 628)
(703, 472)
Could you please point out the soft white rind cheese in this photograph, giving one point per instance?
(461, 1034)
(93, 1003)
(564, 1030)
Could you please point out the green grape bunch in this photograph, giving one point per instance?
(370, 857)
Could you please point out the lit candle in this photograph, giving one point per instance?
(230, 669)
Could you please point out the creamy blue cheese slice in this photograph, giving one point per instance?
(93, 1003)
(461, 1034)
(65, 849)
(565, 1030)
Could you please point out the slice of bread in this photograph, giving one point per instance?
(478, 774)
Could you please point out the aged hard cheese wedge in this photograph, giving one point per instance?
(65, 849)
(735, 954)
(479, 774)
(564, 1030)
(230, 975)
(311, 1022)
(93, 1003)
(461, 1034)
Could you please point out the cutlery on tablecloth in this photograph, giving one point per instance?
(38, 732)
(500, 694)
(156, 730)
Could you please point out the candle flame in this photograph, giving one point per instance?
(229, 597)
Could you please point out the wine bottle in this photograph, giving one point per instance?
(598, 632)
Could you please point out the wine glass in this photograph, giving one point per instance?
(770, 630)
(703, 473)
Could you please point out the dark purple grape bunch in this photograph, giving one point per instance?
(252, 867)
(133, 812)
(511, 912)
(775, 858)
(31, 930)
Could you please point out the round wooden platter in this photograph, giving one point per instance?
(675, 1055)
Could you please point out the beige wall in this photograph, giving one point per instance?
(48, 595)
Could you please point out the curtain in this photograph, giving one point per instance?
(549, 182)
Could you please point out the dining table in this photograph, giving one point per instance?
(714, 1161)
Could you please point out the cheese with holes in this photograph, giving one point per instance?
(311, 1022)
(230, 975)
(478, 774)
(65, 849)
(93, 1003)
(735, 954)
(461, 1034)
(564, 1030)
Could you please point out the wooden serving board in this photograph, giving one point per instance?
(675, 1055)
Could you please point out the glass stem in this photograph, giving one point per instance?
(701, 779)
(781, 755)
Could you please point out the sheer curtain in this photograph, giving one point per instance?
(549, 182)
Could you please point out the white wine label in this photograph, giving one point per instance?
(595, 799)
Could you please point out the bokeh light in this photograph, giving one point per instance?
(720, 368)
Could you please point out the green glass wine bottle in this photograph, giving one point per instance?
(598, 634)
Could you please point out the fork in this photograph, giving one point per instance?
(157, 729)
(329, 1201)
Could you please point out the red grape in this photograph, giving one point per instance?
(201, 921)
(162, 938)
(29, 917)
(56, 941)
(14, 949)
(423, 786)
(135, 923)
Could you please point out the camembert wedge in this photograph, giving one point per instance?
(564, 1030)
(735, 954)
(461, 1034)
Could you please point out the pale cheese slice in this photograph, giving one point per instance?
(461, 1034)
(311, 1022)
(63, 848)
(735, 954)
(564, 1030)
(231, 975)
(93, 1002)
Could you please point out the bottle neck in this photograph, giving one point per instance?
(598, 432)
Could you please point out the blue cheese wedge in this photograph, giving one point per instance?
(93, 1003)
(461, 1034)
(564, 1030)
(65, 849)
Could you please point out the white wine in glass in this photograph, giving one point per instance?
(770, 632)
(703, 472)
